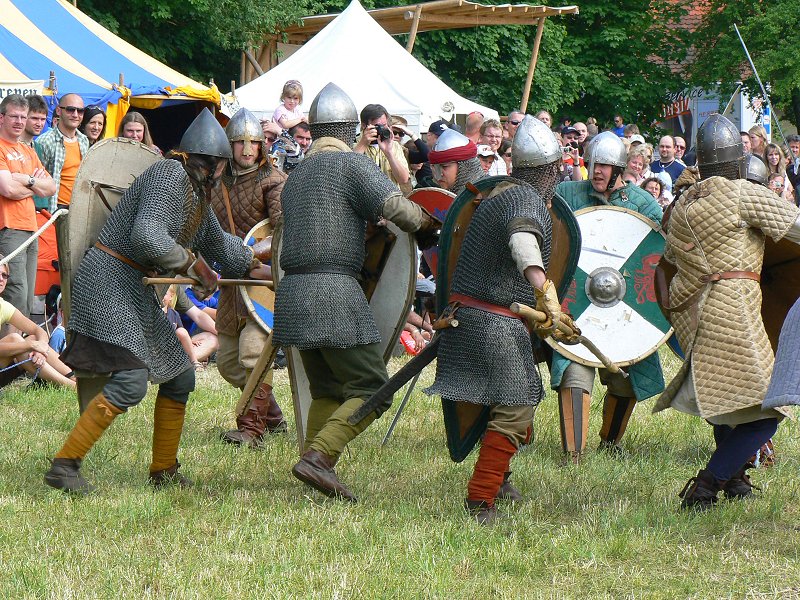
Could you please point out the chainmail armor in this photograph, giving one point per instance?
(345, 132)
(488, 358)
(469, 171)
(109, 301)
(327, 203)
(728, 170)
(543, 179)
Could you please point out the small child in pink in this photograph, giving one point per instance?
(288, 114)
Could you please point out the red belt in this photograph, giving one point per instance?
(495, 309)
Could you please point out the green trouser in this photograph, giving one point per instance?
(340, 380)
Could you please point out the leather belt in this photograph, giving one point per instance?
(712, 277)
(495, 309)
(309, 269)
(125, 259)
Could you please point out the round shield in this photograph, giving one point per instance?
(259, 300)
(437, 202)
(612, 297)
(107, 170)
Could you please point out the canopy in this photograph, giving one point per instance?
(355, 52)
(40, 37)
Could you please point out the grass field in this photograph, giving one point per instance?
(608, 528)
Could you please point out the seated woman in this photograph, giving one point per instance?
(134, 126)
(30, 353)
(93, 124)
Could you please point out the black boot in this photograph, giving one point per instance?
(169, 477)
(700, 492)
(739, 486)
(507, 491)
(481, 511)
(65, 475)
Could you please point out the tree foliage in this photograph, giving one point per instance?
(197, 37)
(770, 30)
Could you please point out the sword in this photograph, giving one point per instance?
(403, 376)
(263, 364)
(220, 282)
(402, 407)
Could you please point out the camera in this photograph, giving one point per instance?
(384, 133)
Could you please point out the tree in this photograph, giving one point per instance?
(768, 29)
(200, 38)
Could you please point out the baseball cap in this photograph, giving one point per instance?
(636, 138)
(569, 129)
(484, 150)
(438, 127)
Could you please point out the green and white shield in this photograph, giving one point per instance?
(612, 297)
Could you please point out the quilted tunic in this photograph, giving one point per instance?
(720, 225)
(254, 196)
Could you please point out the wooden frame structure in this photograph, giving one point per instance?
(412, 19)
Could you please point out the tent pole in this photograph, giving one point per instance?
(526, 91)
(242, 72)
(412, 35)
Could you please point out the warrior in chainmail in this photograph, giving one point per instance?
(320, 307)
(488, 358)
(248, 193)
(120, 338)
(716, 240)
(454, 161)
(606, 161)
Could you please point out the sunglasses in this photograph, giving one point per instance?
(514, 122)
(73, 109)
(4, 276)
(507, 154)
(680, 147)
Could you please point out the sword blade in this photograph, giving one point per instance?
(403, 376)
(402, 407)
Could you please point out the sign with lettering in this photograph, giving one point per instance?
(23, 88)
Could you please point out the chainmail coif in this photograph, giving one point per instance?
(345, 132)
(728, 170)
(469, 171)
(543, 178)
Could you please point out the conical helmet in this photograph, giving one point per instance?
(206, 136)
(606, 149)
(718, 141)
(753, 169)
(534, 144)
(245, 127)
(332, 105)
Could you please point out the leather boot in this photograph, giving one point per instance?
(169, 477)
(616, 414)
(700, 492)
(481, 511)
(274, 419)
(316, 469)
(739, 486)
(573, 412)
(65, 475)
(507, 491)
(250, 426)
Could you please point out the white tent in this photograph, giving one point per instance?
(354, 52)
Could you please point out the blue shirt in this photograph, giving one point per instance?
(58, 340)
(673, 169)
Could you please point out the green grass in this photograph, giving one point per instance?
(609, 528)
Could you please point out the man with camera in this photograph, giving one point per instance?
(377, 142)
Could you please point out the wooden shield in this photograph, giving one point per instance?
(389, 292)
(260, 300)
(437, 202)
(107, 170)
(466, 422)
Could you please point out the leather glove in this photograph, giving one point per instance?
(567, 339)
(547, 302)
(427, 235)
(205, 277)
(263, 249)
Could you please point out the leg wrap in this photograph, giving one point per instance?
(318, 414)
(616, 414)
(493, 462)
(337, 432)
(167, 427)
(573, 411)
(90, 426)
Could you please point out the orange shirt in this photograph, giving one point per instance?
(18, 158)
(72, 161)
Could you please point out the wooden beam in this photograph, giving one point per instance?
(526, 91)
(412, 36)
(242, 70)
(476, 20)
(253, 62)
